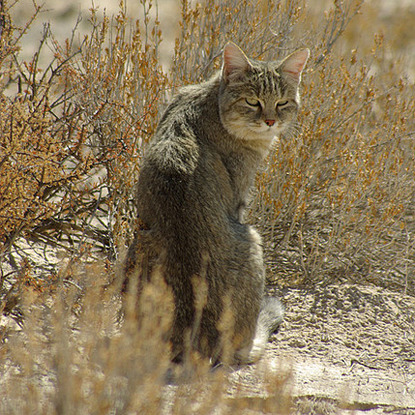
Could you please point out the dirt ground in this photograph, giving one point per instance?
(345, 349)
(351, 350)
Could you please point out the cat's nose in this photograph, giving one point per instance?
(270, 123)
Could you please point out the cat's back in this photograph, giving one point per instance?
(182, 167)
(182, 136)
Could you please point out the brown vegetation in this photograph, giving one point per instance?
(335, 203)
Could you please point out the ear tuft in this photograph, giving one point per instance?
(293, 65)
(235, 61)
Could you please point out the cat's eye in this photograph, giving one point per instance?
(252, 102)
(281, 104)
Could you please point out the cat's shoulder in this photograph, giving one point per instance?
(199, 89)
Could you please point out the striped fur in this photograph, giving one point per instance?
(192, 191)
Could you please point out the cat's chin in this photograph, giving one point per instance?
(264, 131)
(261, 133)
(259, 139)
(253, 134)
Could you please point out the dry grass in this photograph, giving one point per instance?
(335, 202)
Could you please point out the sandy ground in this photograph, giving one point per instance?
(349, 345)
(345, 349)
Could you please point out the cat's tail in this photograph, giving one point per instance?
(269, 320)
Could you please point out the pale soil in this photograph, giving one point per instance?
(342, 349)
(351, 349)
(345, 349)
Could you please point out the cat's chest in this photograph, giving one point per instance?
(241, 173)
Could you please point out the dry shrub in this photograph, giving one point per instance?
(74, 132)
(73, 357)
(261, 27)
(335, 200)
(72, 135)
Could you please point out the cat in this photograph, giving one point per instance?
(191, 195)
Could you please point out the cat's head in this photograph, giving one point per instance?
(259, 100)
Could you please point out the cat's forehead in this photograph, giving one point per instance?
(266, 79)
(260, 67)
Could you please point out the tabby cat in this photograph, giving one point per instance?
(191, 195)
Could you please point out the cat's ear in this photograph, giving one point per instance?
(235, 62)
(292, 66)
